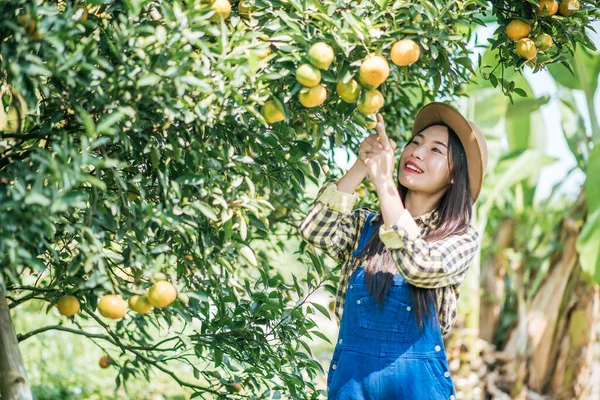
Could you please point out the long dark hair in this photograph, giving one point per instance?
(453, 217)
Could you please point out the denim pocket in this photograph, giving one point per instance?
(440, 375)
(392, 321)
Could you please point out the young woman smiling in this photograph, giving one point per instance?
(402, 267)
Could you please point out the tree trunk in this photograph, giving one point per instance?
(572, 377)
(493, 270)
(13, 380)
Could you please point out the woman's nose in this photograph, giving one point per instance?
(418, 152)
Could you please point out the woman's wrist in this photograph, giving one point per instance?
(353, 178)
(384, 184)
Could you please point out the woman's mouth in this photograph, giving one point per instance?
(412, 168)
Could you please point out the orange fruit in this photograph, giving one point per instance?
(371, 121)
(105, 362)
(68, 305)
(373, 71)
(140, 304)
(526, 49)
(271, 112)
(81, 13)
(405, 52)
(234, 387)
(308, 75)
(27, 22)
(313, 97)
(349, 91)
(372, 102)
(162, 294)
(517, 29)
(244, 8)
(460, 89)
(568, 7)
(332, 306)
(112, 306)
(320, 55)
(547, 8)
(543, 42)
(222, 9)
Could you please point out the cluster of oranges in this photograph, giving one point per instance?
(111, 306)
(373, 71)
(520, 31)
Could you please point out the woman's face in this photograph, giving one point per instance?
(427, 152)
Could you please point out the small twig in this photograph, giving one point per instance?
(16, 302)
(23, 337)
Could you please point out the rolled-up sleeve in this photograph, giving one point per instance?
(331, 224)
(429, 264)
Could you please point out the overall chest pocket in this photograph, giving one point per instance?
(392, 321)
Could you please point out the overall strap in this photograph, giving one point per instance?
(365, 234)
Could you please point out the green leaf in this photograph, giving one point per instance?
(592, 182)
(108, 121)
(218, 357)
(321, 335)
(148, 80)
(321, 309)
(207, 211)
(588, 246)
(37, 198)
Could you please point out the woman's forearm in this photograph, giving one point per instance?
(389, 201)
(355, 175)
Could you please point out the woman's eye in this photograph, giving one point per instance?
(414, 142)
(436, 149)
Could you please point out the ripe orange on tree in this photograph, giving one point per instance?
(568, 7)
(320, 55)
(315, 96)
(222, 9)
(547, 8)
(105, 362)
(373, 71)
(112, 306)
(234, 387)
(68, 305)
(371, 124)
(543, 42)
(517, 29)
(140, 303)
(372, 102)
(244, 8)
(308, 76)
(27, 22)
(526, 49)
(349, 91)
(405, 52)
(81, 13)
(162, 294)
(271, 112)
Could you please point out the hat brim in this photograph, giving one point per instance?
(467, 132)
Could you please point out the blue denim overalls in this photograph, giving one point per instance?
(381, 354)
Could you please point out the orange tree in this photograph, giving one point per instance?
(154, 152)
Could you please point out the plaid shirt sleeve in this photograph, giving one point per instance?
(429, 264)
(331, 224)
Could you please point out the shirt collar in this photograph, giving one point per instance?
(430, 219)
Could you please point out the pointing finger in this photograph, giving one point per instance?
(381, 132)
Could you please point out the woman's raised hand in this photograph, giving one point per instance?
(376, 152)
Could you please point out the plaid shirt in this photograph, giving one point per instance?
(333, 226)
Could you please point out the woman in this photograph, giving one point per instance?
(401, 267)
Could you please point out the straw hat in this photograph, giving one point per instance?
(469, 134)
